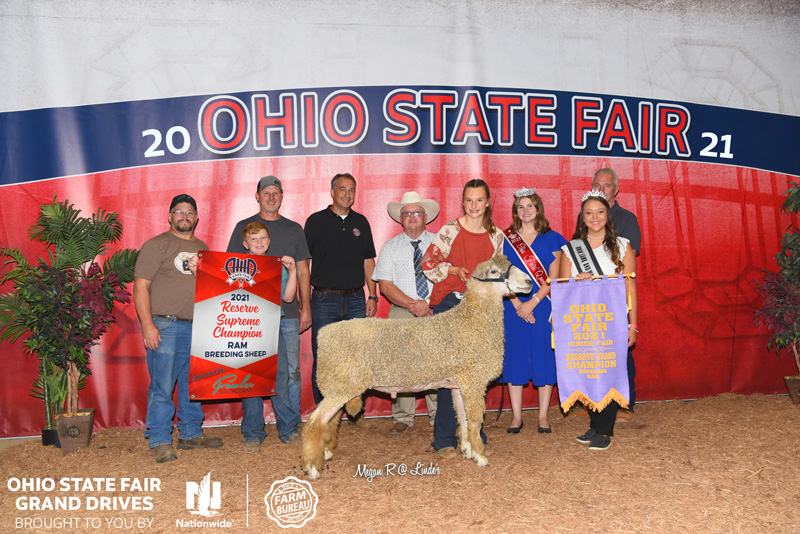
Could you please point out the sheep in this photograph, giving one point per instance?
(460, 349)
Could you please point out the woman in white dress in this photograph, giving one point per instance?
(614, 255)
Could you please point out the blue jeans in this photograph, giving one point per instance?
(328, 308)
(445, 422)
(286, 401)
(168, 365)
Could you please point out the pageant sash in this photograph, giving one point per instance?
(583, 257)
(590, 323)
(528, 257)
(237, 315)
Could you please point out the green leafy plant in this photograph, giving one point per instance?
(51, 387)
(781, 290)
(64, 303)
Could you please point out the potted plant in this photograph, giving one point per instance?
(51, 387)
(64, 304)
(781, 309)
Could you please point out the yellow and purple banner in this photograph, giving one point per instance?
(590, 323)
(237, 314)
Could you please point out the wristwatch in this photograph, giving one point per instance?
(373, 298)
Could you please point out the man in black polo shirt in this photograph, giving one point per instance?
(627, 225)
(342, 259)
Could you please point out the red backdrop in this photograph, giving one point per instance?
(708, 230)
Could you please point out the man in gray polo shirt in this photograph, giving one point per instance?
(286, 239)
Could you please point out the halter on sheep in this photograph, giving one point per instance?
(460, 349)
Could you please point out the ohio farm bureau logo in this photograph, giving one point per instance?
(291, 502)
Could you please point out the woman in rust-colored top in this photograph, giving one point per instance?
(458, 248)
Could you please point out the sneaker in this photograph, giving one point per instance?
(624, 416)
(399, 429)
(200, 442)
(447, 453)
(164, 453)
(600, 442)
(293, 438)
(252, 446)
(586, 438)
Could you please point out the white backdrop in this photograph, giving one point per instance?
(743, 54)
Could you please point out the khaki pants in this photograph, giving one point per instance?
(404, 407)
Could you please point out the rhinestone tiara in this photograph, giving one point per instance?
(524, 192)
(592, 193)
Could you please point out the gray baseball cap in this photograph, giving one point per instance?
(267, 181)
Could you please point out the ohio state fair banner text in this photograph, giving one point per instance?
(387, 120)
(590, 323)
(237, 314)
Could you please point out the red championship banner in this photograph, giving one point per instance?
(237, 314)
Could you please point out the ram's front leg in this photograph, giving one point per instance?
(458, 406)
(475, 405)
(316, 436)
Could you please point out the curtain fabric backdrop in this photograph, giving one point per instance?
(693, 104)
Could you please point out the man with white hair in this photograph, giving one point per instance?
(627, 224)
(401, 281)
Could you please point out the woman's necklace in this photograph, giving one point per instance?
(592, 237)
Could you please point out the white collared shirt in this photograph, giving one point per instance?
(396, 263)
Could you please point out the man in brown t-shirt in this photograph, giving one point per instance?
(163, 293)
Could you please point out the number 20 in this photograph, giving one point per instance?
(153, 151)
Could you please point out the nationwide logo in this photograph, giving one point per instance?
(204, 498)
(291, 502)
(241, 269)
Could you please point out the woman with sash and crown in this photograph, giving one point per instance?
(596, 246)
(534, 247)
(457, 249)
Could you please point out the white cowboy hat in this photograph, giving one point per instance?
(430, 206)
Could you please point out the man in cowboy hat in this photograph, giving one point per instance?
(401, 281)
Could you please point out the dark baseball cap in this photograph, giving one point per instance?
(183, 198)
(267, 181)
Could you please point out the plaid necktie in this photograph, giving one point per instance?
(422, 282)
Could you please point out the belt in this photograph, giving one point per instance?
(174, 317)
(338, 291)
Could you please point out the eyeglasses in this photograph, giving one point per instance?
(407, 214)
(181, 213)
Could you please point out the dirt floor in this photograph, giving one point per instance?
(724, 464)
